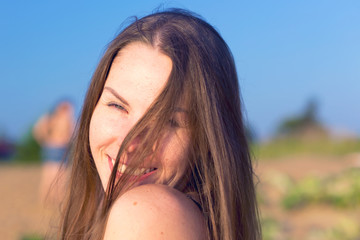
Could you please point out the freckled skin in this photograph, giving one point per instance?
(150, 211)
(161, 213)
(138, 74)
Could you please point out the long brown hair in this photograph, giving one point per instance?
(220, 169)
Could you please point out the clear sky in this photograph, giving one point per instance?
(286, 53)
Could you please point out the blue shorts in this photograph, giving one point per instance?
(53, 154)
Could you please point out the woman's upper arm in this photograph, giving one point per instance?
(154, 212)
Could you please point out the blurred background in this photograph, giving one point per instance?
(298, 64)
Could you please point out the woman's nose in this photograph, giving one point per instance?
(134, 144)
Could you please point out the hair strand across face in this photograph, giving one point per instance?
(219, 172)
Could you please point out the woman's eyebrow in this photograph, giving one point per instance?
(178, 109)
(113, 92)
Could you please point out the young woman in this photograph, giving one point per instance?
(160, 150)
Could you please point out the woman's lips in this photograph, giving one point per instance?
(140, 174)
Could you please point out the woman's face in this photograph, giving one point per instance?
(137, 76)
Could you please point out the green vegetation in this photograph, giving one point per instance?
(270, 229)
(28, 150)
(296, 125)
(347, 229)
(294, 147)
(304, 134)
(340, 191)
(32, 237)
(309, 190)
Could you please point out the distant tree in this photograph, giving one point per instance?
(28, 150)
(290, 125)
(303, 124)
(311, 112)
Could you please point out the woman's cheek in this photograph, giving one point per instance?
(108, 128)
(176, 152)
(94, 131)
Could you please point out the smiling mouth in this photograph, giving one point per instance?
(138, 172)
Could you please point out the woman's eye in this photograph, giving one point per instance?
(173, 123)
(117, 106)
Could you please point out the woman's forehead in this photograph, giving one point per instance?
(139, 72)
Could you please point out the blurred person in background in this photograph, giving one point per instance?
(53, 132)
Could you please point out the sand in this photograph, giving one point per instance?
(21, 211)
(22, 214)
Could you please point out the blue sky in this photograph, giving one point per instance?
(286, 53)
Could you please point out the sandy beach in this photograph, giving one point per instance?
(22, 214)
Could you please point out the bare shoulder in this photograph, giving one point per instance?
(154, 212)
